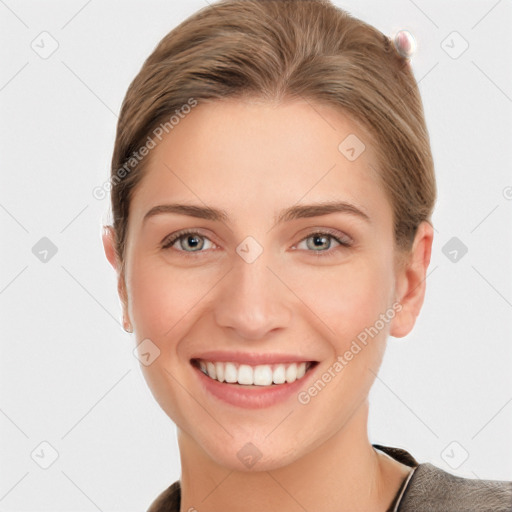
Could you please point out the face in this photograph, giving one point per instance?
(257, 284)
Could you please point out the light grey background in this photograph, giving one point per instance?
(68, 375)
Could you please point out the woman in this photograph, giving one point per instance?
(272, 192)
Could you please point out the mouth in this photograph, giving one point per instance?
(253, 376)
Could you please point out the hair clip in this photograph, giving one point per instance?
(404, 43)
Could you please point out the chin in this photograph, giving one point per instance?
(249, 458)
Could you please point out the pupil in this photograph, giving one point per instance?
(320, 240)
(195, 241)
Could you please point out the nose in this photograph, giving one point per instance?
(252, 300)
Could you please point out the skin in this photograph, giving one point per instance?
(254, 159)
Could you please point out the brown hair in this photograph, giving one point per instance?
(278, 50)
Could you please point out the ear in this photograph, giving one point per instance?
(109, 246)
(108, 238)
(410, 281)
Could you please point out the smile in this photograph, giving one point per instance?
(249, 375)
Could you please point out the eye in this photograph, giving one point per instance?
(190, 241)
(318, 242)
(321, 242)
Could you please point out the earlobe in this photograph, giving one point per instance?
(411, 282)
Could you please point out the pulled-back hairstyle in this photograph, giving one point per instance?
(277, 50)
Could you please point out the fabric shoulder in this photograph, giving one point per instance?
(168, 500)
(433, 490)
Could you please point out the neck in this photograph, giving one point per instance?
(344, 474)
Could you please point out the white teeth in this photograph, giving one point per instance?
(260, 375)
(230, 372)
(210, 367)
(279, 375)
(245, 374)
(291, 373)
(219, 370)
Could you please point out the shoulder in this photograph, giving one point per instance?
(431, 489)
(168, 500)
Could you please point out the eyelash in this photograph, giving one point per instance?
(344, 241)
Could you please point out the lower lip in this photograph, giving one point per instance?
(254, 397)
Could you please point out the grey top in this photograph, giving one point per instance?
(426, 489)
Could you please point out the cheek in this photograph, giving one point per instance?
(347, 299)
(162, 302)
(161, 296)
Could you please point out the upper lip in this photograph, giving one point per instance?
(250, 358)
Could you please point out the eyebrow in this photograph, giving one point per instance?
(291, 213)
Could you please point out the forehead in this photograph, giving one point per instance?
(256, 157)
